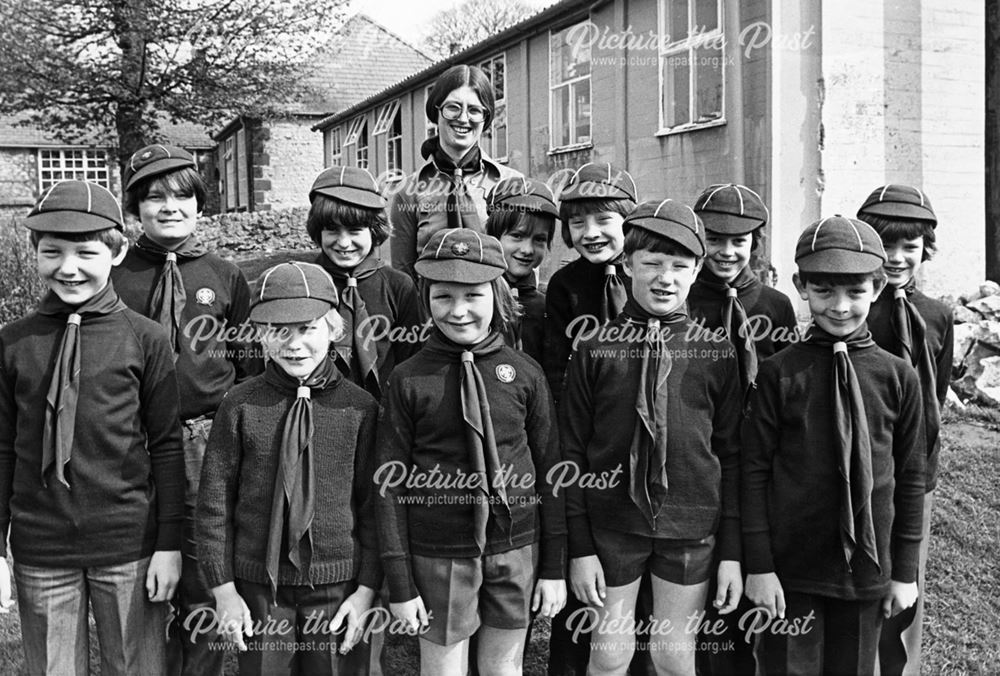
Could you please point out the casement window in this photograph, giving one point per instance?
(495, 138)
(334, 146)
(233, 169)
(569, 90)
(394, 147)
(83, 164)
(361, 148)
(692, 60)
(385, 116)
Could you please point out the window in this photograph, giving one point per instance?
(495, 139)
(394, 147)
(385, 116)
(82, 164)
(233, 169)
(569, 90)
(361, 149)
(354, 130)
(692, 57)
(334, 147)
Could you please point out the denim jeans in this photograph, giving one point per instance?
(53, 606)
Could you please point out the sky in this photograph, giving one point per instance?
(410, 18)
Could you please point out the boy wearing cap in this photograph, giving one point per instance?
(285, 527)
(593, 289)
(474, 538)
(202, 301)
(91, 461)
(522, 215)
(379, 304)
(833, 470)
(919, 329)
(675, 496)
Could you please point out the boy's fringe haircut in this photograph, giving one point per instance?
(577, 208)
(503, 221)
(113, 238)
(328, 213)
(640, 239)
(185, 182)
(894, 229)
(506, 309)
(841, 278)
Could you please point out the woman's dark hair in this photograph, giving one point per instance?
(328, 213)
(185, 182)
(461, 76)
(894, 229)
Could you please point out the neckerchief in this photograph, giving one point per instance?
(294, 482)
(479, 431)
(355, 313)
(522, 289)
(853, 444)
(911, 344)
(648, 451)
(746, 287)
(167, 302)
(614, 295)
(64, 388)
(458, 196)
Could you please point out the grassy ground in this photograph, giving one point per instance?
(963, 589)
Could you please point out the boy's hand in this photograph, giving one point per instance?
(6, 595)
(901, 596)
(232, 614)
(549, 597)
(163, 574)
(586, 578)
(411, 612)
(730, 587)
(353, 609)
(765, 591)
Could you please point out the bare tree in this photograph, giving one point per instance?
(459, 27)
(112, 71)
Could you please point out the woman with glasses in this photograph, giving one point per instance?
(449, 190)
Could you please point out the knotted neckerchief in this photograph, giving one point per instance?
(746, 287)
(355, 313)
(852, 442)
(479, 431)
(166, 305)
(64, 388)
(614, 296)
(458, 195)
(911, 344)
(648, 451)
(522, 288)
(294, 482)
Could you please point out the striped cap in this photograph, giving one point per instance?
(461, 255)
(731, 209)
(153, 160)
(292, 293)
(837, 244)
(599, 181)
(899, 201)
(75, 206)
(352, 185)
(522, 194)
(672, 220)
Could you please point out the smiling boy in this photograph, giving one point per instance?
(91, 462)
(676, 436)
(833, 467)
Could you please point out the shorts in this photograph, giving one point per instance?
(625, 557)
(460, 594)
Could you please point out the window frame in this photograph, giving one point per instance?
(362, 158)
(574, 143)
(394, 142)
(500, 108)
(94, 161)
(687, 47)
(353, 130)
(334, 158)
(385, 116)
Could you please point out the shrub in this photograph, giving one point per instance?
(20, 287)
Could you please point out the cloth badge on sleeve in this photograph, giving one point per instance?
(506, 373)
(204, 296)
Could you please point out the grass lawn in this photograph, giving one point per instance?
(963, 578)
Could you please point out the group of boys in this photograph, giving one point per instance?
(799, 459)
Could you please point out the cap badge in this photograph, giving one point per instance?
(506, 373)
(460, 248)
(204, 296)
(146, 155)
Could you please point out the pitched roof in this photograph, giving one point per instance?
(361, 58)
(12, 135)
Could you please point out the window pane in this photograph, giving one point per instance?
(708, 83)
(676, 89)
(581, 92)
(499, 85)
(677, 20)
(499, 132)
(568, 60)
(560, 117)
(706, 15)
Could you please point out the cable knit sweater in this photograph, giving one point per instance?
(237, 486)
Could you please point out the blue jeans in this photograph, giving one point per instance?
(53, 606)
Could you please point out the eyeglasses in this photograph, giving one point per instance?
(453, 111)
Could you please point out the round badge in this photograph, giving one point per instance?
(506, 373)
(204, 296)
(460, 248)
